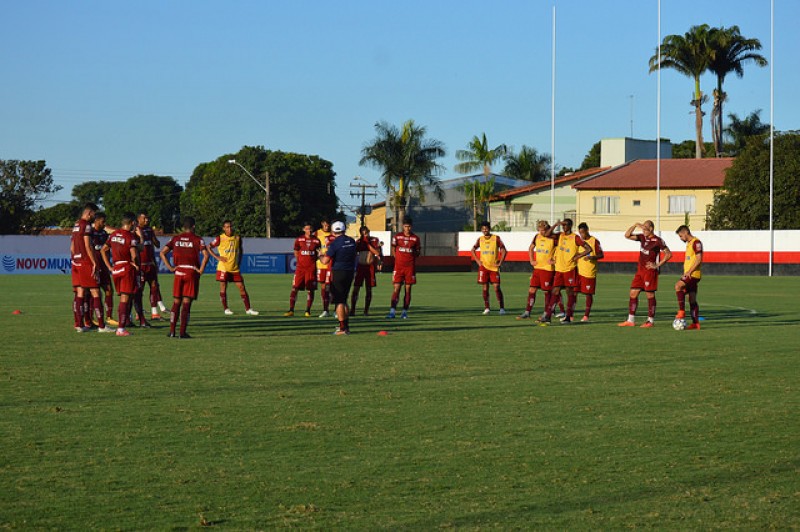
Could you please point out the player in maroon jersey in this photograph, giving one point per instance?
(99, 238)
(405, 248)
(186, 248)
(646, 277)
(370, 259)
(306, 252)
(148, 242)
(84, 270)
(123, 246)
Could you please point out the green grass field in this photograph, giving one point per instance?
(453, 420)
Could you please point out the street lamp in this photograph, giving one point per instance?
(264, 188)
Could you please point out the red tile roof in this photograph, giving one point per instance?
(675, 173)
(540, 185)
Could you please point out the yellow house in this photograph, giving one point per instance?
(617, 198)
(375, 220)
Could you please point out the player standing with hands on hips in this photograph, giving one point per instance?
(340, 257)
(492, 253)
(186, 248)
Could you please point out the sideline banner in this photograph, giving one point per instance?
(60, 264)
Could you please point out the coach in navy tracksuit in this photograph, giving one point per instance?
(342, 253)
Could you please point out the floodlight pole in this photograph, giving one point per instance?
(265, 188)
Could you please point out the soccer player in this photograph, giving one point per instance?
(587, 268)
(405, 248)
(540, 254)
(565, 260)
(646, 277)
(186, 248)
(492, 254)
(84, 271)
(370, 259)
(325, 237)
(306, 252)
(124, 247)
(99, 238)
(148, 243)
(341, 258)
(691, 277)
(230, 257)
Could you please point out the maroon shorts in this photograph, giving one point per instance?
(324, 276)
(149, 273)
(305, 279)
(488, 276)
(646, 280)
(186, 284)
(566, 279)
(587, 285)
(542, 279)
(691, 285)
(82, 274)
(404, 274)
(230, 277)
(125, 278)
(365, 273)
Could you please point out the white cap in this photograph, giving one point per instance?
(338, 227)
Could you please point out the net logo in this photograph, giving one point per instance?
(9, 264)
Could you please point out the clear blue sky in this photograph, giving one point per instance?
(109, 89)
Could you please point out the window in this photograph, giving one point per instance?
(606, 204)
(681, 204)
(637, 203)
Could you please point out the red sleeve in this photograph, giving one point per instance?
(477, 244)
(579, 241)
(296, 244)
(214, 243)
(171, 243)
(417, 244)
(698, 246)
(597, 248)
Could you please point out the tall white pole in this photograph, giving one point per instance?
(658, 129)
(771, 131)
(553, 126)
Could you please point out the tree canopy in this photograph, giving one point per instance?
(743, 202)
(302, 189)
(528, 164)
(407, 161)
(158, 196)
(22, 184)
(479, 156)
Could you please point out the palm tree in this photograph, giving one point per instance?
(407, 161)
(478, 155)
(741, 129)
(689, 54)
(528, 164)
(729, 52)
(476, 195)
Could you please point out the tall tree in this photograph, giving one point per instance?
(22, 184)
(528, 164)
(743, 202)
(407, 161)
(741, 129)
(302, 189)
(689, 54)
(730, 51)
(476, 197)
(478, 156)
(158, 196)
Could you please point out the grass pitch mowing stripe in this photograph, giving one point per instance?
(454, 419)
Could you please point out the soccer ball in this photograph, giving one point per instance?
(679, 324)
